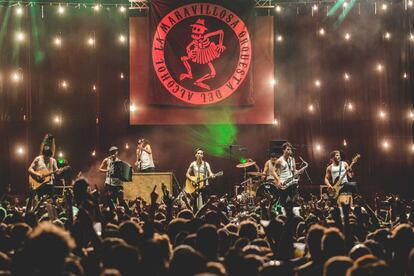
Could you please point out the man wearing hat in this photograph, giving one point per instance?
(113, 185)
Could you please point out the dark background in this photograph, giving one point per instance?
(300, 58)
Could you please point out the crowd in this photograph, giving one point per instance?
(80, 235)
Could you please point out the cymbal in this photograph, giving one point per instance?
(256, 174)
(245, 165)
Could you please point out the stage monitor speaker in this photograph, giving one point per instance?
(143, 183)
(275, 146)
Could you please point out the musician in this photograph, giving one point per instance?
(200, 169)
(145, 162)
(42, 164)
(269, 170)
(113, 185)
(336, 170)
(285, 168)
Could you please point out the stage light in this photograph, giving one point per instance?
(122, 39)
(60, 154)
(410, 3)
(411, 114)
(126, 146)
(386, 144)
(345, 143)
(16, 77)
(382, 114)
(61, 10)
(387, 36)
(94, 87)
(322, 31)
(317, 83)
(272, 82)
(380, 67)
(384, 7)
(122, 76)
(132, 108)
(315, 7)
(350, 106)
(122, 9)
(318, 147)
(64, 84)
(57, 119)
(345, 4)
(278, 8)
(57, 41)
(275, 122)
(19, 11)
(405, 76)
(97, 7)
(93, 153)
(346, 76)
(311, 108)
(20, 150)
(412, 148)
(91, 41)
(279, 38)
(347, 36)
(411, 37)
(20, 37)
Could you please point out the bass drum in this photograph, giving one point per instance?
(266, 189)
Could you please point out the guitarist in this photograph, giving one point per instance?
(336, 170)
(200, 169)
(44, 163)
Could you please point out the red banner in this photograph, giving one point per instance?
(201, 53)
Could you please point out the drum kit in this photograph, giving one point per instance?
(254, 187)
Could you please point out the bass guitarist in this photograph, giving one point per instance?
(339, 169)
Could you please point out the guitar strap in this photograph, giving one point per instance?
(340, 168)
(290, 166)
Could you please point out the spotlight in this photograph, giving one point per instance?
(19, 11)
(315, 7)
(311, 108)
(61, 10)
(411, 114)
(60, 154)
(132, 108)
(94, 87)
(411, 37)
(346, 76)
(382, 114)
(64, 84)
(97, 7)
(345, 143)
(275, 122)
(380, 67)
(317, 83)
(405, 76)
(322, 31)
(122, 39)
(16, 77)
(20, 36)
(347, 36)
(126, 146)
(318, 147)
(279, 38)
(93, 153)
(91, 41)
(278, 8)
(20, 150)
(57, 41)
(384, 7)
(122, 9)
(350, 106)
(410, 3)
(345, 4)
(272, 82)
(57, 120)
(412, 147)
(386, 144)
(387, 36)
(122, 76)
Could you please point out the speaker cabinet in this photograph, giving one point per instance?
(143, 183)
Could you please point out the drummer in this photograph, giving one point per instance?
(269, 171)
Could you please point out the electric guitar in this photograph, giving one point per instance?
(37, 181)
(294, 179)
(192, 185)
(337, 184)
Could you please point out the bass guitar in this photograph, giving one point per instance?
(337, 185)
(192, 185)
(294, 179)
(37, 181)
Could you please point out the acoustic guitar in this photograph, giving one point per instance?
(37, 181)
(192, 185)
(337, 184)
